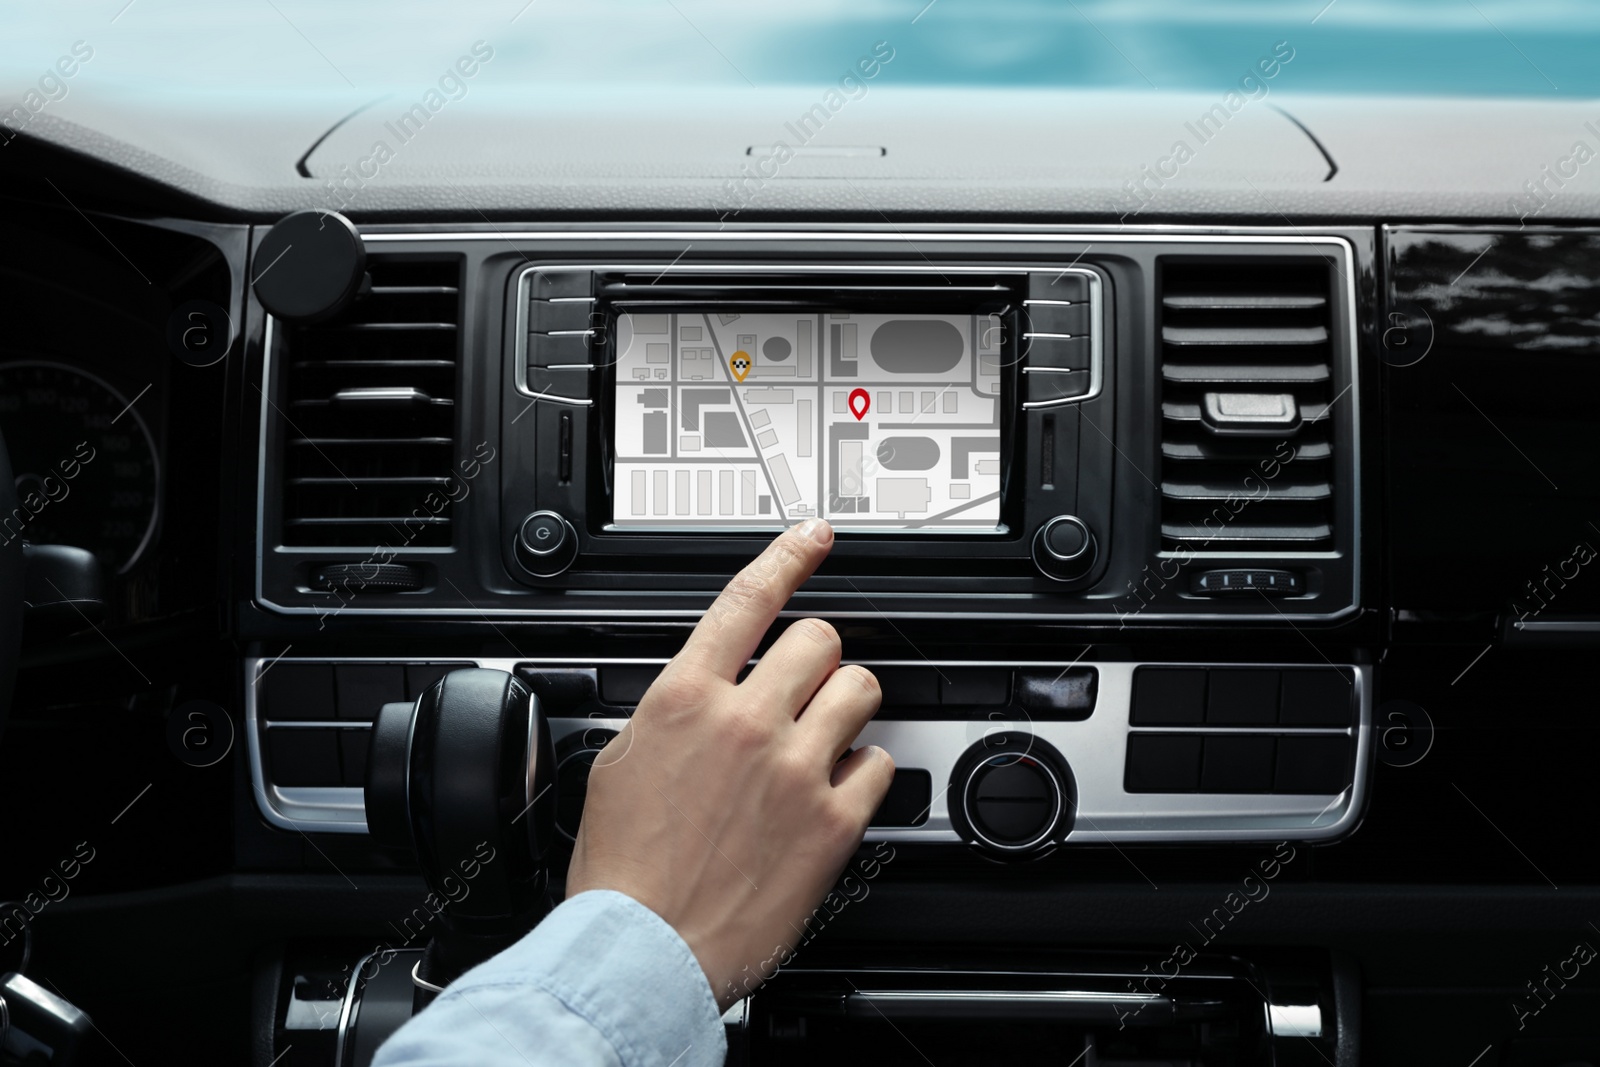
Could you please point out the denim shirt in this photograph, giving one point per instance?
(602, 980)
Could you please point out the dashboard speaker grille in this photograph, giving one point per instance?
(368, 403)
(1247, 373)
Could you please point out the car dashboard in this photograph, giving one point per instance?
(1224, 566)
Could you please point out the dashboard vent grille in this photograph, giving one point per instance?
(1247, 376)
(368, 403)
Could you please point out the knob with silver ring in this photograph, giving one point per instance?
(546, 544)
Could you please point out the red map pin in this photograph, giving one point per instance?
(860, 401)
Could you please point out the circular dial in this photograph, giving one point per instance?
(84, 461)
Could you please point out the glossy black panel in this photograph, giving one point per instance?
(1493, 388)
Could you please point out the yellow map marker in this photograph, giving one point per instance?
(740, 365)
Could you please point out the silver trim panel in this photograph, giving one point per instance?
(1094, 748)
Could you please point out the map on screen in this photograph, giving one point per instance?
(731, 420)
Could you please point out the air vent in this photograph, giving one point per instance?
(1247, 380)
(368, 400)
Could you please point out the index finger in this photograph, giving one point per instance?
(732, 627)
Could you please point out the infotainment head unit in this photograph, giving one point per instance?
(732, 419)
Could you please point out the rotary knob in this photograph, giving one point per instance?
(546, 544)
(1064, 548)
(1013, 795)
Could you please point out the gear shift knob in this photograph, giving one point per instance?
(463, 779)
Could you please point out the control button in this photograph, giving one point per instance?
(303, 757)
(1057, 353)
(564, 383)
(909, 798)
(546, 316)
(1012, 801)
(1066, 537)
(553, 284)
(1053, 386)
(1237, 764)
(1242, 698)
(1012, 793)
(363, 688)
(974, 686)
(907, 685)
(624, 687)
(1052, 696)
(1313, 765)
(1043, 317)
(546, 544)
(1064, 548)
(1058, 285)
(1247, 581)
(558, 350)
(298, 691)
(543, 532)
(1163, 696)
(1163, 763)
(1318, 697)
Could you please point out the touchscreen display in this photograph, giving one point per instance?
(758, 420)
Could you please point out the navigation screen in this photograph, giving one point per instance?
(756, 421)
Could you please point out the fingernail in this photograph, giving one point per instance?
(817, 530)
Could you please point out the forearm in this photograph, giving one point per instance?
(603, 980)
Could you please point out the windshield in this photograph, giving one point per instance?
(1432, 47)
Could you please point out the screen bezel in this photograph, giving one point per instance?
(887, 287)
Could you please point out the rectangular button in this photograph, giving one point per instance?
(1058, 285)
(549, 284)
(907, 685)
(353, 746)
(303, 757)
(1237, 764)
(363, 688)
(566, 383)
(624, 687)
(1163, 763)
(298, 691)
(974, 686)
(908, 800)
(1318, 697)
(1053, 353)
(1312, 765)
(1044, 386)
(1242, 698)
(545, 316)
(1166, 697)
(559, 351)
(1058, 696)
(1070, 319)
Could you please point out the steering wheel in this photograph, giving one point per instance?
(10, 583)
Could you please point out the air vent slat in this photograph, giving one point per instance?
(1235, 326)
(370, 438)
(1245, 372)
(1242, 302)
(1245, 335)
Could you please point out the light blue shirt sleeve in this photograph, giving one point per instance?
(602, 980)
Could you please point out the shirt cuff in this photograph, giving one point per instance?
(621, 967)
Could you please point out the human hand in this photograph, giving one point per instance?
(723, 807)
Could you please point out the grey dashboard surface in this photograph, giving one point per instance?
(1124, 157)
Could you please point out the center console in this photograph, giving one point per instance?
(1098, 523)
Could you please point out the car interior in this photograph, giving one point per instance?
(1197, 394)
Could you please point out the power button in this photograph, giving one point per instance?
(543, 533)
